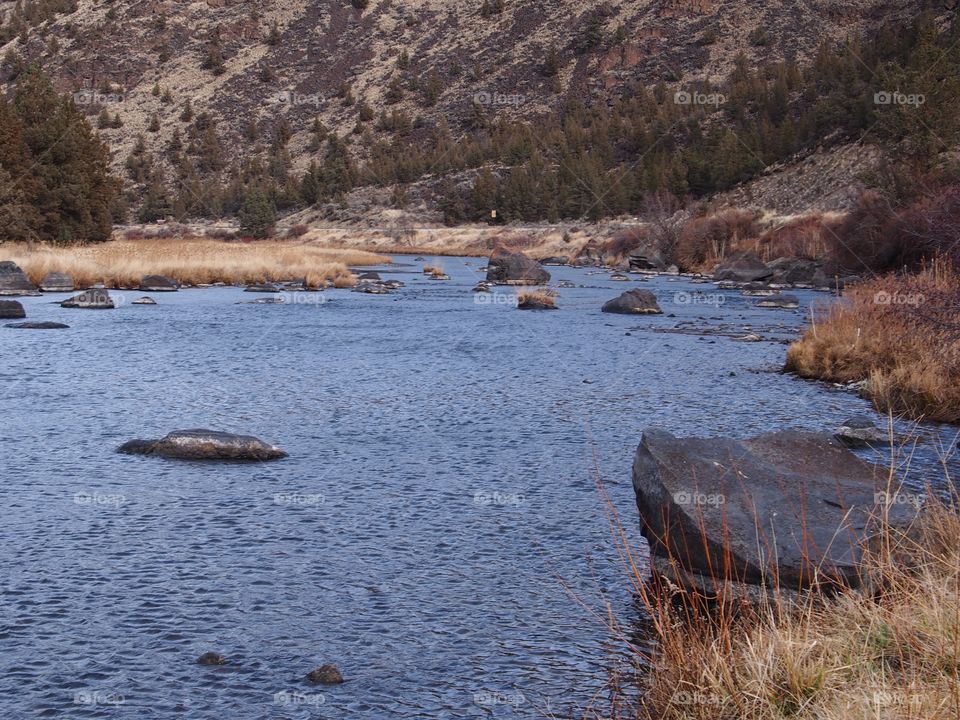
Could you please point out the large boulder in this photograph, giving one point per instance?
(798, 271)
(204, 445)
(95, 299)
(158, 283)
(11, 310)
(56, 282)
(742, 267)
(515, 268)
(634, 302)
(788, 508)
(14, 281)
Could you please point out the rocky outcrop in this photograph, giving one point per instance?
(789, 508)
(205, 445)
(514, 268)
(56, 282)
(158, 283)
(14, 281)
(96, 299)
(634, 302)
(742, 267)
(11, 310)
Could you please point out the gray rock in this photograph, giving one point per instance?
(783, 508)
(860, 431)
(634, 302)
(38, 326)
(742, 267)
(204, 445)
(55, 282)
(797, 271)
(327, 674)
(263, 288)
(14, 281)
(144, 301)
(755, 289)
(158, 283)
(783, 302)
(95, 299)
(11, 310)
(369, 276)
(619, 277)
(514, 268)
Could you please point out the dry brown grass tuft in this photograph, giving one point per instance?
(808, 237)
(122, 263)
(546, 299)
(899, 333)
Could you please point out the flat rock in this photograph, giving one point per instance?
(514, 268)
(263, 288)
(860, 431)
(742, 267)
(11, 310)
(38, 326)
(783, 302)
(55, 282)
(204, 445)
(158, 283)
(634, 302)
(144, 301)
(14, 281)
(95, 299)
(785, 508)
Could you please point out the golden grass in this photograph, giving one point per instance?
(901, 335)
(123, 263)
(540, 298)
(892, 652)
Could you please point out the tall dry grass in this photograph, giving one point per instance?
(123, 263)
(890, 652)
(899, 333)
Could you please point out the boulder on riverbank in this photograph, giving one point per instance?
(11, 310)
(57, 282)
(96, 299)
(514, 268)
(158, 283)
(204, 445)
(742, 267)
(634, 302)
(14, 281)
(798, 271)
(788, 508)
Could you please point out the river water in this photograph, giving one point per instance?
(436, 531)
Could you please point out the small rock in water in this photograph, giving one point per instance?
(204, 445)
(38, 326)
(11, 310)
(786, 302)
(325, 674)
(860, 431)
(211, 658)
(95, 299)
(158, 283)
(145, 301)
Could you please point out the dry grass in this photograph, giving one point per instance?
(122, 263)
(901, 335)
(891, 653)
(537, 298)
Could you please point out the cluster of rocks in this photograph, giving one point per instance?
(327, 674)
(372, 284)
(747, 268)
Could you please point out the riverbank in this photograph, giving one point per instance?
(900, 336)
(891, 653)
(191, 261)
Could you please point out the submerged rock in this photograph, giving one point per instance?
(158, 283)
(327, 674)
(38, 326)
(95, 299)
(788, 508)
(11, 310)
(514, 268)
(55, 282)
(204, 445)
(634, 302)
(14, 281)
(211, 658)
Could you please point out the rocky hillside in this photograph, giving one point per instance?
(251, 60)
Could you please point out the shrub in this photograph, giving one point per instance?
(705, 241)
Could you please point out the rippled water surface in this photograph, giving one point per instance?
(436, 531)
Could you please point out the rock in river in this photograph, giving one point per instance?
(783, 302)
(634, 302)
(38, 326)
(327, 674)
(782, 508)
(14, 281)
(514, 268)
(144, 301)
(204, 445)
(11, 310)
(742, 267)
(211, 658)
(860, 431)
(96, 299)
(56, 282)
(158, 283)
